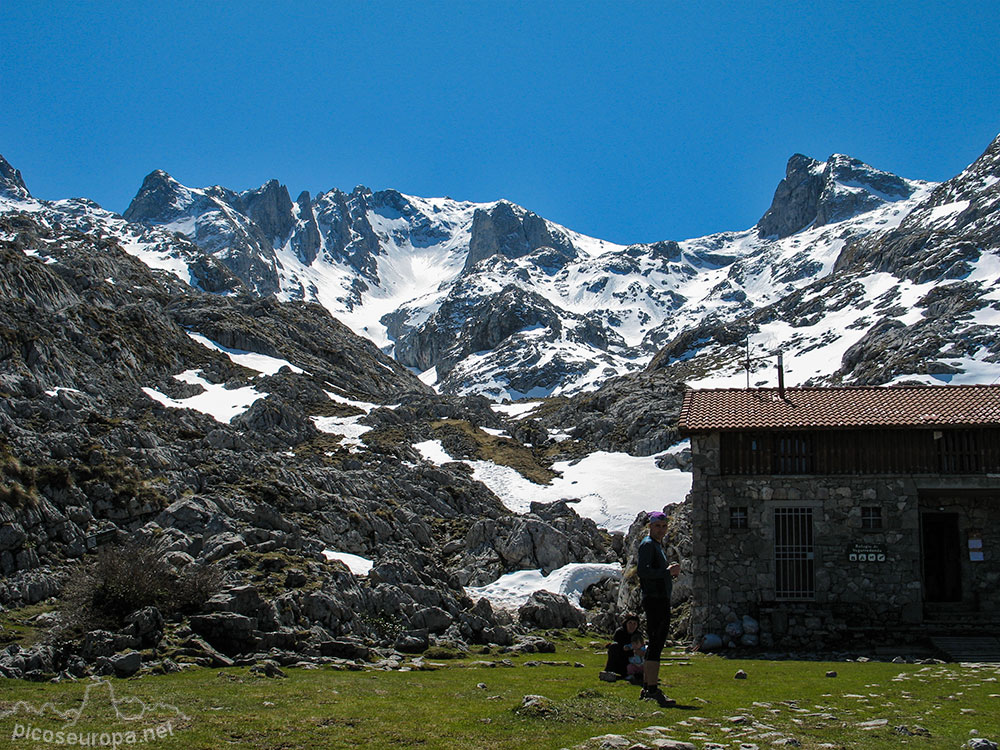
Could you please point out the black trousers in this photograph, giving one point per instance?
(658, 622)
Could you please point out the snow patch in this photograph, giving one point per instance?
(514, 589)
(359, 566)
(948, 209)
(217, 401)
(609, 488)
(262, 363)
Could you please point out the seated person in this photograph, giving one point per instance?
(620, 649)
(636, 660)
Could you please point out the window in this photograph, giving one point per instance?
(793, 553)
(871, 517)
(958, 451)
(739, 517)
(793, 453)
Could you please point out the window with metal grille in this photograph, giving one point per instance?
(793, 553)
(871, 517)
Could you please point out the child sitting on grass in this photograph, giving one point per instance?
(635, 661)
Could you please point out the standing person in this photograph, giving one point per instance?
(619, 650)
(656, 584)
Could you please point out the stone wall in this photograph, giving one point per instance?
(867, 581)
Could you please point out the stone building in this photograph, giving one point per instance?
(832, 515)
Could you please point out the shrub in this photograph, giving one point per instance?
(15, 495)
(124, 578)
(17, 482)
(443, 652)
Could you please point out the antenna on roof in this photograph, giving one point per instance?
(749, 361)
(746, 364)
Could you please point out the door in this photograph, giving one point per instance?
(942, 563)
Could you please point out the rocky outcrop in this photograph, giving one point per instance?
(216, 220)
(342, 220)
(635, 414)
(153, 204)
(521, 329)
(308, 240)
(945, 234)
(795, 199)
(546, 538)
(270, 208)
(547, 610)
(11, 182)
(819, 193)
(462, 326)
(512, 232)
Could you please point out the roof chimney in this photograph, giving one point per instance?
(781, 376)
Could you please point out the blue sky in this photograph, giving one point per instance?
(628, 121)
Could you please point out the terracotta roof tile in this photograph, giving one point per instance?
(887, 406)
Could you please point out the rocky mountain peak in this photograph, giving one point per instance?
(11, 182)
(159, 192)
(586, 310)
(815, 193)
(853, 173)
(795, 199)
(392, 198)
(992, 152)
(511, 232)
(270, 207)
(980, 176)
(943, 236)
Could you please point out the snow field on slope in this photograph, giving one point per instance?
(262, 363)
(221, 403)
(817, 350)
(609, 488)
(411, 274)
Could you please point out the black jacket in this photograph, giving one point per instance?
(619, 650)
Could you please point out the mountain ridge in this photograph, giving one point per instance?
(418, 276)
(551, 265)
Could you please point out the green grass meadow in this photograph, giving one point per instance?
(462, 703)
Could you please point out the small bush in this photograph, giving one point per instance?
(443, 652)
(128, 577)
(382, 625)
(17, 482)
(15, 495)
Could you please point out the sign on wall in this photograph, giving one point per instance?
(975, 546)
(866, 552)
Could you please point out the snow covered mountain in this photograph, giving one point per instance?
(916, 299)
(493, 299)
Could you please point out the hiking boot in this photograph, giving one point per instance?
(655, 694)
(609, 676)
